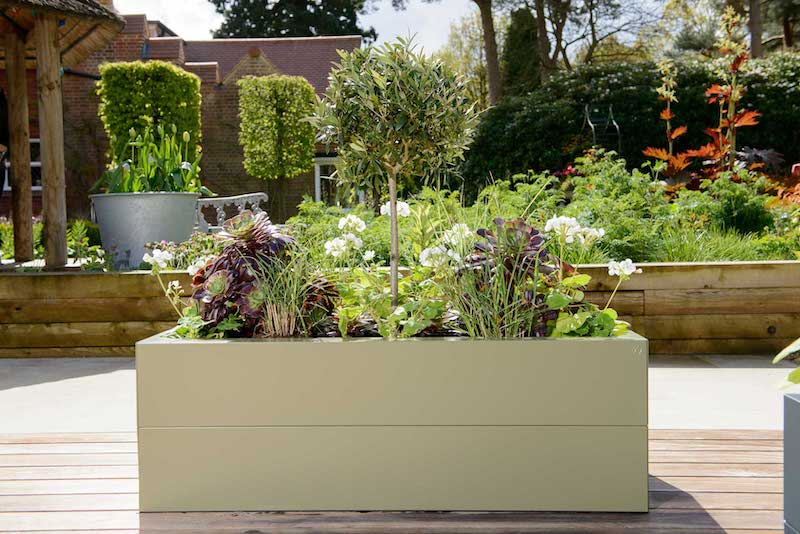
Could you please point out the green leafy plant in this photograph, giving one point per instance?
(396, 116)
(140, 94)
(278, 143)
(154, 162)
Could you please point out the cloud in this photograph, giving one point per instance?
(429, 22)
(191, 19)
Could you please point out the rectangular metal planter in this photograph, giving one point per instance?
(791, 463)
(371, 424)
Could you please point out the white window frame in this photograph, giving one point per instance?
(318, 163)
(34, 165)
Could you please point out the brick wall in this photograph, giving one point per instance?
(86, 143)
(222, 164)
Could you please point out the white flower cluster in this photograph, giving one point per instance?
(403, 209)
(622, 268)
(457, 236)
(352, 224)
(438, 256)
(339, 246)
(158, 258)
(569, 230)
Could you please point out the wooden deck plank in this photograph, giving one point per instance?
(67, 448)
(717, 457)
(691, 434)
(68, 472)
(469, 521)
(702, 482)
(68, 487)
(717, 484)
(715, 445)
(91, 502)
(679, 500)
(82, 521)
(716, 470)
(107, 437)
(54, 460)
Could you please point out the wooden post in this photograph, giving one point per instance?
(51, 126)
(20, 147)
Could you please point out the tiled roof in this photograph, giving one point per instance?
(83, 8)
(310, 57)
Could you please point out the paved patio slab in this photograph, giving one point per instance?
(99, 394)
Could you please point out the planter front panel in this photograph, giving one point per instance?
(394, 468)
(408, 382)
(791, 461)
(429, 424)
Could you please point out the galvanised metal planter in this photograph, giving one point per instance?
(129, 220)
(372, 424)
(791, 463)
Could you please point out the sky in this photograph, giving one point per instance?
(195, 19)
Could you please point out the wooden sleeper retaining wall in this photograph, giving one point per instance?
(705, 308)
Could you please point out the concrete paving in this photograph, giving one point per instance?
(99, 394)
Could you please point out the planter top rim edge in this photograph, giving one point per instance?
(146, 193)
(161, 338)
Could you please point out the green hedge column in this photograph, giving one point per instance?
(278, 143)
(137, 94)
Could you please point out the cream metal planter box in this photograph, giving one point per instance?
(370, 424)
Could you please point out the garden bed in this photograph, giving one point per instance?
(704, 308)
(413, 424)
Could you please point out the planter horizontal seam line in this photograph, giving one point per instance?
(387, 426)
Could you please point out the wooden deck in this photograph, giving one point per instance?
(702, 482)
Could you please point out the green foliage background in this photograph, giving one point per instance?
(543, 130)
(277, 143)
(137, 94)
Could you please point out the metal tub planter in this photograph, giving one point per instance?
(130, 220)
(371, 424)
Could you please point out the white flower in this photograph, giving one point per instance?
(585, 236)
(563, 226)
(158, 257)
(403, 209)
(198, 264)
(352, 239)
(174, 285)
(457, 236)
(622, 268)
(336, 247)
(351, 223)
(186, 166)
(369, 255)
(437, 256)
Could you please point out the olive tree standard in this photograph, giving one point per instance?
(395, 115)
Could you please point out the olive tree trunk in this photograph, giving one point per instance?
(394, 253)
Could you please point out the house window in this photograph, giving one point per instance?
(325, 188)
(36, 168)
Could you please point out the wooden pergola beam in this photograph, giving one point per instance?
(51, 133)
(19, 147)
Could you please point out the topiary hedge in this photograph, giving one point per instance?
(277, 142)
(544, 130)
(137, 94)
